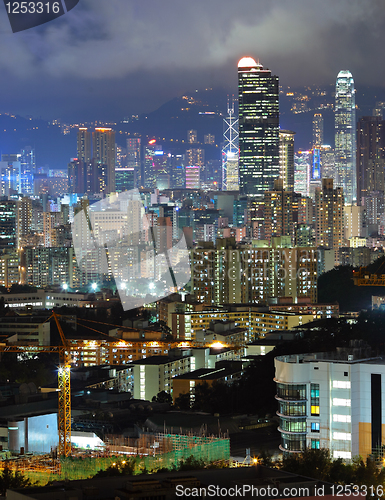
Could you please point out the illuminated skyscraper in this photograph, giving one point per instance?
(329, 215)
(258, 128)
(103, 145)
(345, 133)
(286, 159)
(318, 130)
(230, 173)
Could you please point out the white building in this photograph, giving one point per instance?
(331, 400)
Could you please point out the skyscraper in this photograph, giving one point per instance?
(103, 145)
(134, 157)
(329, 215)
(84, 145)
(371, 168)
(286, 158)
(258, 128)
(345, 130)
(230, 171)
(318, 130)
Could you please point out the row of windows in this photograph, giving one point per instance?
(291, 392)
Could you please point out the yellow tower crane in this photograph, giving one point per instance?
(64, 386)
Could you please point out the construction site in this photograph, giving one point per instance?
(149, 452)
(68, 461)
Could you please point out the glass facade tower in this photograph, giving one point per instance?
(258, 128)
(345, 136)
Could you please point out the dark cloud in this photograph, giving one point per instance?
(120, 56)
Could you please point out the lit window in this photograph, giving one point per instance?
(342, 454)
(315, 426)
(341, 402)
(342, 436)
(315, 444)
(342, 418)
(339, 384)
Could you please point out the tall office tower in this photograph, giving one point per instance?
(328, 170)
(302, 162)
(370, 168)
(286, 159)
(258, 128)
(8, 215)
(329, 215)
(192, 136)
(134, 157)
(278, 212)
(353, 221)
(177, 171)
(345, 135)
(193, 177)
(28, 167)
(10, 174)
(77, 176)
(318, 130)
(195, 156)
(370, 156)
(156, 162)
(230, 152)
(125, 179)
(103, 144)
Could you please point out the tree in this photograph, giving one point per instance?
(162, 397)
(12, 480)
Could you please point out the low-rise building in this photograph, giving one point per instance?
(332, 400)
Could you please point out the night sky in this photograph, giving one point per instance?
(107, 59)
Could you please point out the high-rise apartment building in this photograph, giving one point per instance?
(345, 135)
(84, 145)
(318, 130)
(329, 215)
(258, 128)
(103, 145)
(278, 212)
(286, 158)
(227, 273)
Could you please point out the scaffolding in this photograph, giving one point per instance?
(148, 452)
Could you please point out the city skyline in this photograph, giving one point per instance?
(107, 60)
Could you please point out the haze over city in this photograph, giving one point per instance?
(108, 59)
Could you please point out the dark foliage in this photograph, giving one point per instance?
(12, 480)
